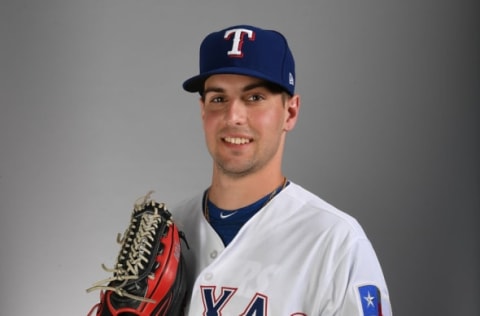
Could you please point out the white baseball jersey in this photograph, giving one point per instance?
(297, 256)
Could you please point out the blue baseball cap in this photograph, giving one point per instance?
(245, 50)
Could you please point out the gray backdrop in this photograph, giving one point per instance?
(93, 116)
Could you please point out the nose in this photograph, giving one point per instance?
(236, 113)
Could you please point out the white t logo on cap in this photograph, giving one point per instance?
(238, 36)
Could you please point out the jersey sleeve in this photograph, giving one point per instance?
(359, 283)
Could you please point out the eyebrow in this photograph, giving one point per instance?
(260, 84)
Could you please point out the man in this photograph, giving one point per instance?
(259, 243)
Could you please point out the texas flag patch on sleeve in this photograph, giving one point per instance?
(370, 300)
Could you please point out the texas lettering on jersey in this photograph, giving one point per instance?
(214, 302)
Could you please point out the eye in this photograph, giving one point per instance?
(216, 99)
(255, 97)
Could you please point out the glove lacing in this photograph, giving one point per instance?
(135, 251)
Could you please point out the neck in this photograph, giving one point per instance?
(233, 193)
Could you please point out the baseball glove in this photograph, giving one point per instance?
(149, 274)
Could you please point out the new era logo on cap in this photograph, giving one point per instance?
(245, 50)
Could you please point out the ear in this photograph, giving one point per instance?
(202, 107)
(292, 108)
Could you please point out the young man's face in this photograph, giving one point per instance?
(245, 123)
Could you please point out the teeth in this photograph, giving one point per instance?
(237, 140)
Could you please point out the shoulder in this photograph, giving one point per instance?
(186, 212)
(337, 238)
(183, 206)
(309, 209)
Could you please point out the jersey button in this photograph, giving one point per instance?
(208, 276)
(213, 254)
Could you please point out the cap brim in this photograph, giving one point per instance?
(196, 83)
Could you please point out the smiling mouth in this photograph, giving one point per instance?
(237, 140)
